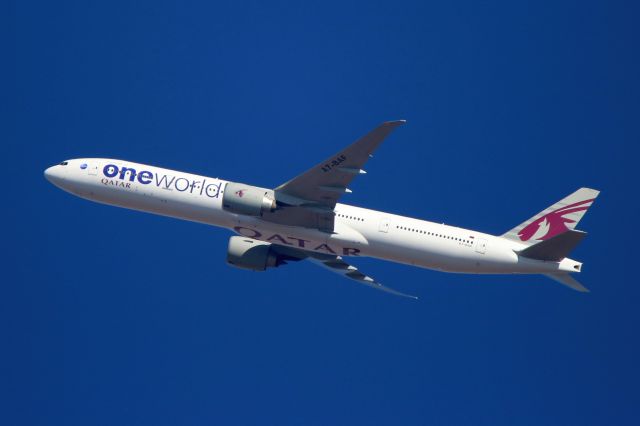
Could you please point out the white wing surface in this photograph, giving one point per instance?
(309, 199)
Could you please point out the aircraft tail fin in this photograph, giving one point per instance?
(555, 248)
(569, 281)
(561, 217)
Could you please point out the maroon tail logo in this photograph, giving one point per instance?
(552, 223)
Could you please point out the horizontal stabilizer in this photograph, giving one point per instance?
(569, 281)
(555, 248)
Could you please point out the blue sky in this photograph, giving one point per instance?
(116, 317)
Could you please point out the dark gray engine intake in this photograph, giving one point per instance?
(247, 200)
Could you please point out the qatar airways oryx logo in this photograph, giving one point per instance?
(125, 176)
(553, 223)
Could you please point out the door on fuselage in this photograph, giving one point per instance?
(481, 245)
(384, 225)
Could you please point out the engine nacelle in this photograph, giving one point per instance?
(246, 253)
(247, 200)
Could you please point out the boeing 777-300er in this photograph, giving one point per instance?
(302, 219)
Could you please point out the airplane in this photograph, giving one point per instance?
(302, 219)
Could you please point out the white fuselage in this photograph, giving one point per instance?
(358, 231)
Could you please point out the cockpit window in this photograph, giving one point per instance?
(64, 163)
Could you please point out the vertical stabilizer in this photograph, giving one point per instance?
(557, 219)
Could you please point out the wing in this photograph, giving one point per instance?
(335, 264)
(309, 199)
(325, 183)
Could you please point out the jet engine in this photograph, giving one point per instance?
(247, 253)
(247, 200)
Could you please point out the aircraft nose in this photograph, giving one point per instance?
(54, 175)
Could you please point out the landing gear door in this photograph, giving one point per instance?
(481, 245)
(384, 225)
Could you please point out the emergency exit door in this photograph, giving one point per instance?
(481, 245)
